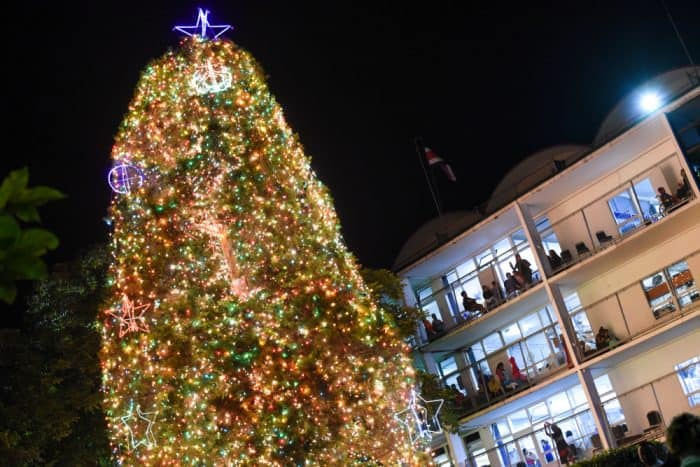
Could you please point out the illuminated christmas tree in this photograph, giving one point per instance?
(237, 330)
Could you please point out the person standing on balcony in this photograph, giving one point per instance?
(511, 285)
(521, 270)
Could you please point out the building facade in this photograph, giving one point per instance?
(600, 333)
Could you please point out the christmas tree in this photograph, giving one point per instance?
(237, 330)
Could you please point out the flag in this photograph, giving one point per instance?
(435, 160)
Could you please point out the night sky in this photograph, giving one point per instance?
(485, 86)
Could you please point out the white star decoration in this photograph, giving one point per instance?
(148, 438)
(200, 28)
(129, 321)
(419, 420)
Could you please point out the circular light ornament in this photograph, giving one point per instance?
(650, 101)
(125, 178)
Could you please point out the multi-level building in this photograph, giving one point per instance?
(627, 262)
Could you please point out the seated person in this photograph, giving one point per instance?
(438, 325)
(511, 285)
(667, 201)
(494, 385)
(497, 291)
(602, 339)
(555, 260)
(505, 376)
(470, 304)
(489, 297)
(683, 190)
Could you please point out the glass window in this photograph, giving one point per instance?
(546, 316)
(516, 351)
(465, 268)
(492, 343)
(539, 412)
(613, 411)
(472, 287)
(518, 421)
(503, 428)
(519, 237)
(424, 293)
(658, 294)
(501, 247)
(576, 396)
(510, 334)
(603, 385)
(538, 348)
(431, 309)
(648, 201)
(476, 353)
(448, 366)
(572, 302)
(689, 375)
(529, 324)
(558, 404)
(684, 285)
(441, 457)
(624, 211)
(526, 254)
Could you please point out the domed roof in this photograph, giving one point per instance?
(628, 110)
(531, 171)
(433, 233)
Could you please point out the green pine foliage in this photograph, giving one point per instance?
(622, 457)
(50, 401)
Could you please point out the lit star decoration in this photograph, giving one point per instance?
(202, 25)
(420, 420)
(130, 317)
(211, 78)
(129, 421)
(265, 346)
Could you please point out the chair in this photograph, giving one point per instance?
(566, 256)
(602, 237)
(654, 418)
(582, 249)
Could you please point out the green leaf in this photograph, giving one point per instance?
(38, 195)
(8, 292)
(26, 213)
(26, 267)
(13, 185)
(36, 242)
(9, 231)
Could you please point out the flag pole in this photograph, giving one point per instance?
(420, 149)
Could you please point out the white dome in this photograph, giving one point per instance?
(434, 233)
(629, 110)
(532, 171)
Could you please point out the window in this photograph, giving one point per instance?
(648, 201)
(510, 334)
(530, 324)
(448, 366)
(611, 405)
(689, 376)
(624, 211)
(661, 287)
(518, 421)
(492, 343)
(441, 456)
(424, 293)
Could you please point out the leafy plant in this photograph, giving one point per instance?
(21, 249)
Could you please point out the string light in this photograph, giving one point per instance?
(263, 346)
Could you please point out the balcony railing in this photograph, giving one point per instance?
(610, 219)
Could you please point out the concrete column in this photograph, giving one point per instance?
(457, 449)
(533, 238)
(562, 314)
(443, 304)
(586, 380)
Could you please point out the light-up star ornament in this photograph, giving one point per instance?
(200, 28)
(129, 320)
(148, 439)
(420, 421)
(211, 78)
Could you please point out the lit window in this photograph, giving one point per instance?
(624, 211)
(675, 280)
(689, 375)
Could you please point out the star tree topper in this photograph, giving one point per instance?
(200, 28)
(129, 320)
(148, 439)
(417, 417)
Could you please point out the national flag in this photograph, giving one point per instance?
(435, 160)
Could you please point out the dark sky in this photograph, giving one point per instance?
(484, 85)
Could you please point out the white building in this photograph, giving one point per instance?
(630, 265)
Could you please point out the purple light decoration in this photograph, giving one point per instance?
(200, 28)
(124, 178)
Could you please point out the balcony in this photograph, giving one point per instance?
(611, 219)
